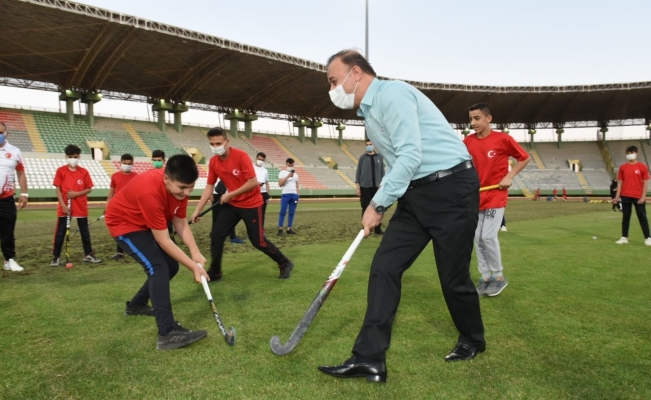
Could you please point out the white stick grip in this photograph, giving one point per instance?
(204, 283)
(206, 289)
(347, 256)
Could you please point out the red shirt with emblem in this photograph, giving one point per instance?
(119, 180)
(145, 206)
(11, 160)
(77, 180)
(491, 158)
(234, 172)
(632, 177)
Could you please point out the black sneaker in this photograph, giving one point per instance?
(291, 232)
(286, 269)
(91, 259)
(56, 262)
(280, 231)
(179, 337)
(117, 256)
(139, 310)
(214, 276)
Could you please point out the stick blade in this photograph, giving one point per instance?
(231, 338)
(278, 348)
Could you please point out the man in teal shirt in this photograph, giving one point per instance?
(430, 174)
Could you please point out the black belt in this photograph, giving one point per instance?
(440, 174)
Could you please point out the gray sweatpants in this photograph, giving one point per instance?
(489, 256)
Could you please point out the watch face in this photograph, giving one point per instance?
(380, 209)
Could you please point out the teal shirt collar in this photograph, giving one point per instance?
(367, 100)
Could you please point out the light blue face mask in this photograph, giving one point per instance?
(369, 148)
(3, 138)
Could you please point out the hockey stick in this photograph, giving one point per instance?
(68, 217)
(321, 297)
(491, 187)
(230, 335)
(220, 190)
(89, 224)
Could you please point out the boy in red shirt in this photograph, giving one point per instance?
(632, 186)
(72, 182)
(137, 219)
(490, 151)
(564, 194)
(118, 181)
(242, 202)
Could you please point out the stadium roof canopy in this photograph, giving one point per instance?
(58, 45)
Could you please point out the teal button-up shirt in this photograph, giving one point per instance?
(410, 133)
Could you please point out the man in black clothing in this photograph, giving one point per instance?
(370, 171)
(613, 193)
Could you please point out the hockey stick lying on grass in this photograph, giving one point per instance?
(321, 297)
(230, 335)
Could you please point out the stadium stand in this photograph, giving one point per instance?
(618, 151)
(17, 130)
(555, 158)
(40, 172)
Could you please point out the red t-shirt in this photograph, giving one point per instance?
(11, 160)
(119, 180)
(632, 177)
(234, 172)
(491, 158)
(555, 192)
(77, 180)
(145, 206)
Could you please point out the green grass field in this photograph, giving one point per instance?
(573, 323)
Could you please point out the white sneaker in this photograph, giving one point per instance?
(647, 241)
(13, 266)
(503, 229)
(625, 241)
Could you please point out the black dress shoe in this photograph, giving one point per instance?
(464, 351)
(373, 372)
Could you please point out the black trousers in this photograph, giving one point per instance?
(366, 195)
(160, 269)
(229, 216)
(640, 210)
(215, 214)
(60, 236)
(445, 212)
(265, 200)
(8, 215)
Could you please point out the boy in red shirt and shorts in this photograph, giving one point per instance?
(242, 202)
(118, 181)
(73, 183)
(490, 151)
(632, 186)
(137, 219)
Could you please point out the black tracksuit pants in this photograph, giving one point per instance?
(444, 212)
(228, 217)
(8, 215)
(160, 269)
(60, 235)
(640, 210)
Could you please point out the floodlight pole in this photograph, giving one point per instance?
(366, 49)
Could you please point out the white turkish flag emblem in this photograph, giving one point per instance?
(491, 153)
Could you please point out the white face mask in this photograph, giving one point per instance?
(340, 98)
(72, 162)
(126, 167)
(631, 156)
(259, 163)
(219, 150)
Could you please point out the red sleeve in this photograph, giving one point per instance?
(58, 178)
(88, 180)
(515, 150)
(153, 211)
(21, 164)
(645, 173)
(620, 174)
(113, 181)
(247, 167)
(212, 176)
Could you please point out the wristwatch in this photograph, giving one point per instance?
(378, 208)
